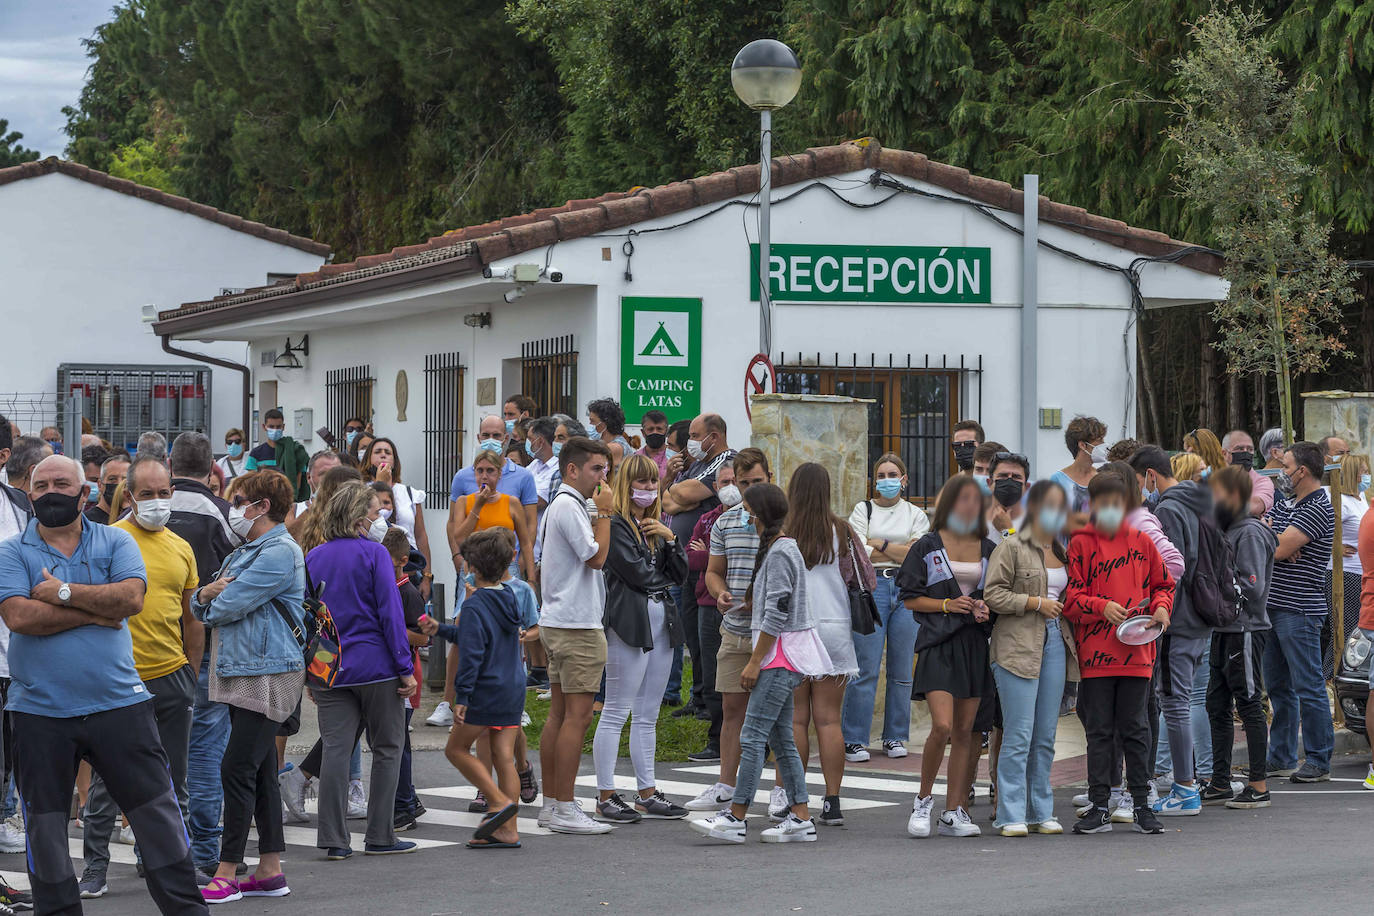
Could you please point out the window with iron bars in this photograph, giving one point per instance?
(347, 394)
(548, 374)
(444, 434)
(914, 405)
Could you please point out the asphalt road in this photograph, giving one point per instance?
(1308, 853)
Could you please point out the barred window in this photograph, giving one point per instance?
(548, 374)
(444, 432)
(347, 393)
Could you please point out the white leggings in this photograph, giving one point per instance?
(635, 682)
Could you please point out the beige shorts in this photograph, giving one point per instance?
(733, 655)
(576, 658)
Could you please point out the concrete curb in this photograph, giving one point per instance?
(1348, 742)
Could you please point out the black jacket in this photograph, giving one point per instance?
(634, 574)
(202, 518)
(921, 577)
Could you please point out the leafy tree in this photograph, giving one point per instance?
(11, 153)
(1239, 161)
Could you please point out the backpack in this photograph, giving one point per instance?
(1212, 585)
(317, 637)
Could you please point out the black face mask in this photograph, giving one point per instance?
(655, 441)
(109, 492)
(57, 510)
(963, 454)
(1007, 491)
(1225, 515)
(1243, 459)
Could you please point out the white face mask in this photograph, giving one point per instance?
(1099, 454)
(729, 495)
(695, 450)
(377, 530)
(239, 522)
(384, 514)
(152, 514)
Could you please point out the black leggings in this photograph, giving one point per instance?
(1236, 663)
(248, 772)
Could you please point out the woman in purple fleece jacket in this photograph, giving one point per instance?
(357, 583)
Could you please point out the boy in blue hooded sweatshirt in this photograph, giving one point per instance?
(489, 685)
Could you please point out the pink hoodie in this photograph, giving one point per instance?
(1144, 521)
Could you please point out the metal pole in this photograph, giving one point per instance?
(71, 425)
(765, 235)
(1337, 581)
(1030, 247)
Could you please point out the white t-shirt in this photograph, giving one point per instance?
(404, 499)
(900, 524)
(574, 593)
(1353, 509)
(232, 467)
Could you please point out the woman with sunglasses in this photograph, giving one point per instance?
(232, 462)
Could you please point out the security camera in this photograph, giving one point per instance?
(512, 295)
(555, 275)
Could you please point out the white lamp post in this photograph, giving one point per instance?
(766, 76)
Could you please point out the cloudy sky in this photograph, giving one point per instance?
(43, 65)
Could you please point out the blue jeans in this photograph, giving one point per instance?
(674, 690)
(1199, 724)
(768, 721)
(209, 737)
(1030, 717)
(1297, 691)
(897, 627)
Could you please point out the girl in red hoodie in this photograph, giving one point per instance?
(1115, 572)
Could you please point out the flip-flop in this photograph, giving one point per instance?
(493, 821)
(492, 844)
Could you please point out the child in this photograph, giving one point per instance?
(1114, 572)
(489, 687)
(385, 498)
(408, 805)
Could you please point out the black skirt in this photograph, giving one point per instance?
(958, 666)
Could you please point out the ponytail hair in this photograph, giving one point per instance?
(767, 503)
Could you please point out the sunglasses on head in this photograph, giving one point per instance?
(1010, 456)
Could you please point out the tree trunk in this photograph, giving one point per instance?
(1235, 403)
(1283, 378)
(1209, 413)
(1147, 382)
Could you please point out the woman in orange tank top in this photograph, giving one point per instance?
(489, 509)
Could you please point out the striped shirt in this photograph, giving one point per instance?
(733, 537)
(1299, 584)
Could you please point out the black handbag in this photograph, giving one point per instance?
(863, 610)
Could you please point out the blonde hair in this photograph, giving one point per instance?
(350, 503)
(1207, 446)
(1186, 466)
(1352, 468)
(636, 467)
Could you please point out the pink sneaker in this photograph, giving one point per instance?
(221, 890)
(274, 886)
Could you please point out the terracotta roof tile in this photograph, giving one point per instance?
(587, 216)
(153, 195)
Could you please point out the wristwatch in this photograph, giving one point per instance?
(64, 592)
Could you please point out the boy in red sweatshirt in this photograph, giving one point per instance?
(1114, 572)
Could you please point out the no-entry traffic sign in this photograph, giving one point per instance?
(759, 378)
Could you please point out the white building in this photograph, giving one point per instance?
(82, 253)
(894, 278)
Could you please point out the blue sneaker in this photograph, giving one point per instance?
(1180, 802)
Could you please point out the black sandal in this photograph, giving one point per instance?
(494, 821)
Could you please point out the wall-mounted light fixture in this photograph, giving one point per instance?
(478, 319)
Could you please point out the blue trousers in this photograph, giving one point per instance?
(768, 721)
(205, 792)
(1297, 691)
(1030, 718)
(897, 631)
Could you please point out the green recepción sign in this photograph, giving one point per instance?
(660, 356)
(874, 273)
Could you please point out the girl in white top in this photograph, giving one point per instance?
(1353, 508)
(381, 462)
(888, 525)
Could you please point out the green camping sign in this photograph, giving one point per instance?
(660, 356)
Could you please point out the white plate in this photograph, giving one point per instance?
(1139, 630)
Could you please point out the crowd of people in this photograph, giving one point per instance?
(1160, 598)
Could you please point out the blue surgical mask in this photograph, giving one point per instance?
(235, 449)
(1051, 520)
(593, 435)
(510, 427)
(349, 436)
(93, 497)
(744, 518)
(491, 445)
(1364, 482)
(56, 445)
(962, 526)
(275, 434)
(1108, 519)
(983, 484)
(888, 487)
(557, 447)
(529, 448)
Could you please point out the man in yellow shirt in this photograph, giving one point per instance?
(168, 643)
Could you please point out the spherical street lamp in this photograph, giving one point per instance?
(766, 76)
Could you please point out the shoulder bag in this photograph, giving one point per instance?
(863, 611)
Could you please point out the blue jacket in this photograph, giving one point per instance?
(253, 638)
(491, 675)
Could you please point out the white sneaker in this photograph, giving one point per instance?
(855, 753)
(918, 825)
(957, 823)
(12, 838)
(792, 830)
(1010, 829)
(1151, 796)
(712, 798)
(442, 717)
(778, 805)
(1123, 809)
(292, 783)
(1163, 783)
(723, 826)
(1082, 801)
(546, 814)
(357, 799)
(570, 818)
(126, 836)
(1050, 827)
(544, 695)
(895, 749)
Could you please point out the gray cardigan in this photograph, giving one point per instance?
(1254, 544)
(780, 601)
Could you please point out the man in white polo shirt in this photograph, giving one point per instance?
(574, 593)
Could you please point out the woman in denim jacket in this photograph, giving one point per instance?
(257, 669)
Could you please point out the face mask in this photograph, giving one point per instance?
(1007, 491)
(982, 483)
(695, 450)
(275, 434)
(1108, 519)
(56, 510)
(92, 497)
(557, 447)
(961, 526)
(1243, 459)
(152, 514)
(239, 522)
(654, 441)
(108, 492)
(349, 437)
(1224, 515)
(1364, 482)
(384, 514)
(1284, 484)
(1099, 454)
(593, 435)
(56, 446)
(1151, 500)
(490, 445)
(963, 454)
(643, 498)
(529, 448)
(888, 487)
(510, 427)
(1206, 472)
(235, 449)
(730, 495)
(377, 530)
(1052, 520)
(744, 518)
